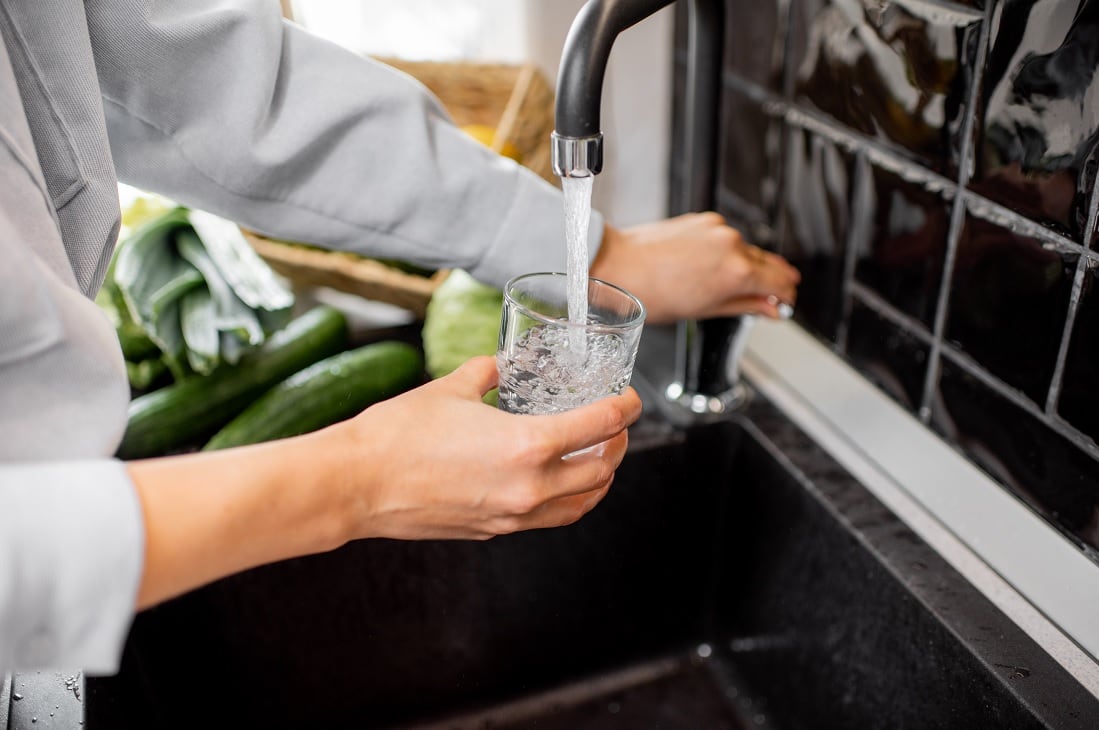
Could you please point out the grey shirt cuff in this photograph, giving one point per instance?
(70, 584)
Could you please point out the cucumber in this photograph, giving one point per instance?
(324, 393)
(186, 413)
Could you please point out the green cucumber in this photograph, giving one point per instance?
(328, 391)
(186, 413)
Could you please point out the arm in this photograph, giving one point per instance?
(432, 463)
(223, 106)
(695, 266)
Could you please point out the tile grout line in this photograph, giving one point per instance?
(957, 219)
(958, 13)
(856, 237)
(1056, 381)
(882, 307)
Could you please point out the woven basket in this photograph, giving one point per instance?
(515, 100)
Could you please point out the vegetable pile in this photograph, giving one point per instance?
(187, 293)
(215, 353)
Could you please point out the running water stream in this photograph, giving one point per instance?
(577, 220)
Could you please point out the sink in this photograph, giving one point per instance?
(734, 577)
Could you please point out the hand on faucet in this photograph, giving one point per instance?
(695, 266)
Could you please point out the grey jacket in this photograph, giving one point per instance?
(223, 106)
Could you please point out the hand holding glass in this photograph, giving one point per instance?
(547, 363)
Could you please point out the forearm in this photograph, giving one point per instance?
(212, 514)
(304, 140)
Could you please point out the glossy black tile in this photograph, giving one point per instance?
(1055, 477)
(1009, 297)
(1039, 130)
(888, 354)
(904, 251)
(898, 76)
(753, 41)
(1079, 400)
(750, 151)
(815, 213)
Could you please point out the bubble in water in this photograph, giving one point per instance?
(541, 375)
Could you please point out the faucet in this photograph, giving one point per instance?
(706, 383)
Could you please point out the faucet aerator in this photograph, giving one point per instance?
(577, 156)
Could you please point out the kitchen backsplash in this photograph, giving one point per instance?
(930, 168)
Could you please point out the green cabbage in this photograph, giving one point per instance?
(461, 321)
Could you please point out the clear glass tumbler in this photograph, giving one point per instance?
(548, 364)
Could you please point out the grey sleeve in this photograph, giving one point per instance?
(71, 535)
(71, 530)
(223, 105)
(70, 558)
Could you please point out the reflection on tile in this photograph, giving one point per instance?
(1079, 401)
(818, 177)
(750, 149)
(753, 47)
(1053, 476)
(1038, 120)
(1008, 301)
(905, 244)
(889, 355)
(887, 73)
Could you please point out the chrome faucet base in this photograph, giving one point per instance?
(706, 406)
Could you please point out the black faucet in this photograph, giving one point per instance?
(707, 381)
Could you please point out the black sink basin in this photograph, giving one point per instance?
(735, 577)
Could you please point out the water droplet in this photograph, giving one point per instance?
(614, 708)
(17, 696)
(704, 651)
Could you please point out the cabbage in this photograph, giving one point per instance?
(461, 321)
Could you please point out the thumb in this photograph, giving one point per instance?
(474, 377)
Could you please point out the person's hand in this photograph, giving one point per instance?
(695, 266)
(434, 462)
(439, 463)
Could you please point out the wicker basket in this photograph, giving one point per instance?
(516, 100)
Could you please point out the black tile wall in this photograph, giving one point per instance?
(1079, 400)
(1038, 121)
(888, 353)
(1016, 446)
(750, 141)
(1009, 297)
(753, 41)
(814, 224)
(905, 251)
(895, 74)
(930, 167)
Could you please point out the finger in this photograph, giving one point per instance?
(589, 469)
(567, 510)
(768, 278)
(594, 423)
(474, 377)
(767, 306)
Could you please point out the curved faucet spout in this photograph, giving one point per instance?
(706, 382)
(577, 137)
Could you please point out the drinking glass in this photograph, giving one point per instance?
(547, 363)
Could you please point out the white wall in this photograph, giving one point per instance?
(637, 91)
(636, 107)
